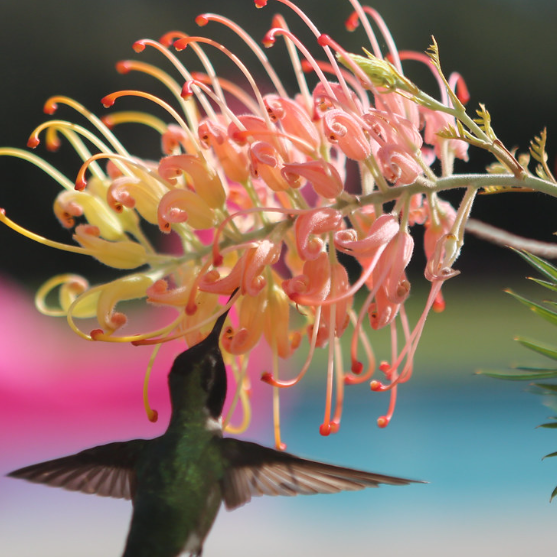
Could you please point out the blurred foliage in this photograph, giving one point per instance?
(545, 311)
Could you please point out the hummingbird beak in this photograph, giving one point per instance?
(219, 323)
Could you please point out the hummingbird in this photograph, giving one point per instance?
(178, 481)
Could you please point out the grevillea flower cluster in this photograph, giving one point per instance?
(255, 187)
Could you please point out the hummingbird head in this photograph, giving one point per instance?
(197, 378)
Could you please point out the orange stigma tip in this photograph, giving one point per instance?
(335, 426)
(50, 107)
(181, 44)
(123, 66)
(186, 90)
(217, 260)
(96, 333)
(376, 385)
(383, 421)
(153, 416)
(33, 141)
(139, 46)
(260, 3)
(191, 308)
(267, 377)
(357, 367)
(384, 366)
(201, 20)
(352, 22)
(349, 380)
(438, 306)
(306, 66)
(53, 146)
(462, 91)
(108, 121)
(107, 101)
(2, 212)
(325, 429)
(80, 184)
(324, 39)
(281, 446)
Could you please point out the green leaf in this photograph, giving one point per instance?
(549, 351)
(553, 494)
(550, 425)
(543, 312)
(544, 283)
(549, 456)
(547, 386)
(541, 265)
(519, 376)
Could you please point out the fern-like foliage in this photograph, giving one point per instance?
(549, 314)
(484, 121)
(537, 150)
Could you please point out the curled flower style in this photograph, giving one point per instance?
(255, 188)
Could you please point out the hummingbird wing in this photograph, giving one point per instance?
(254, 470)
(107, 470)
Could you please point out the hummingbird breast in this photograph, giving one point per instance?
(178, 496)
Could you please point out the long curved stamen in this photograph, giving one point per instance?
(152, 415)
(136, 340)
(64, 127)
(412, 342)
(325, 428)
(203, 19)
(279, 21)
(380, 22)
(41, 239)
(383, 421)
(126, 66)
(81, 182)
(51, 106)
(140, 45)
(354, 83)
(180, 44)
(362, 377)
(184, 332)
(326, 48)
(296, 141)
(134, 117)
(276, 403)
(326, 40)
(42, 164)
(352, 23)
(269, 41)
(240, 394)
(80, 285)
(340, 382)
(188, 90)
(229, 87)
(271, 380)
(169, 38)
(109, 100)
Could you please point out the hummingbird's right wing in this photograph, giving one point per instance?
(107, 470)
(253, 470)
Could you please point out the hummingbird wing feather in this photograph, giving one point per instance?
(107, 470)
(253, 470)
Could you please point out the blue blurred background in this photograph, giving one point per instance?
(472, 437)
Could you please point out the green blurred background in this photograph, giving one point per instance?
(472, 437)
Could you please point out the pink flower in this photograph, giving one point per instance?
(253, 189)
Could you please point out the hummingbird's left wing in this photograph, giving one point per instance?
(253, 470)
(107, 470)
